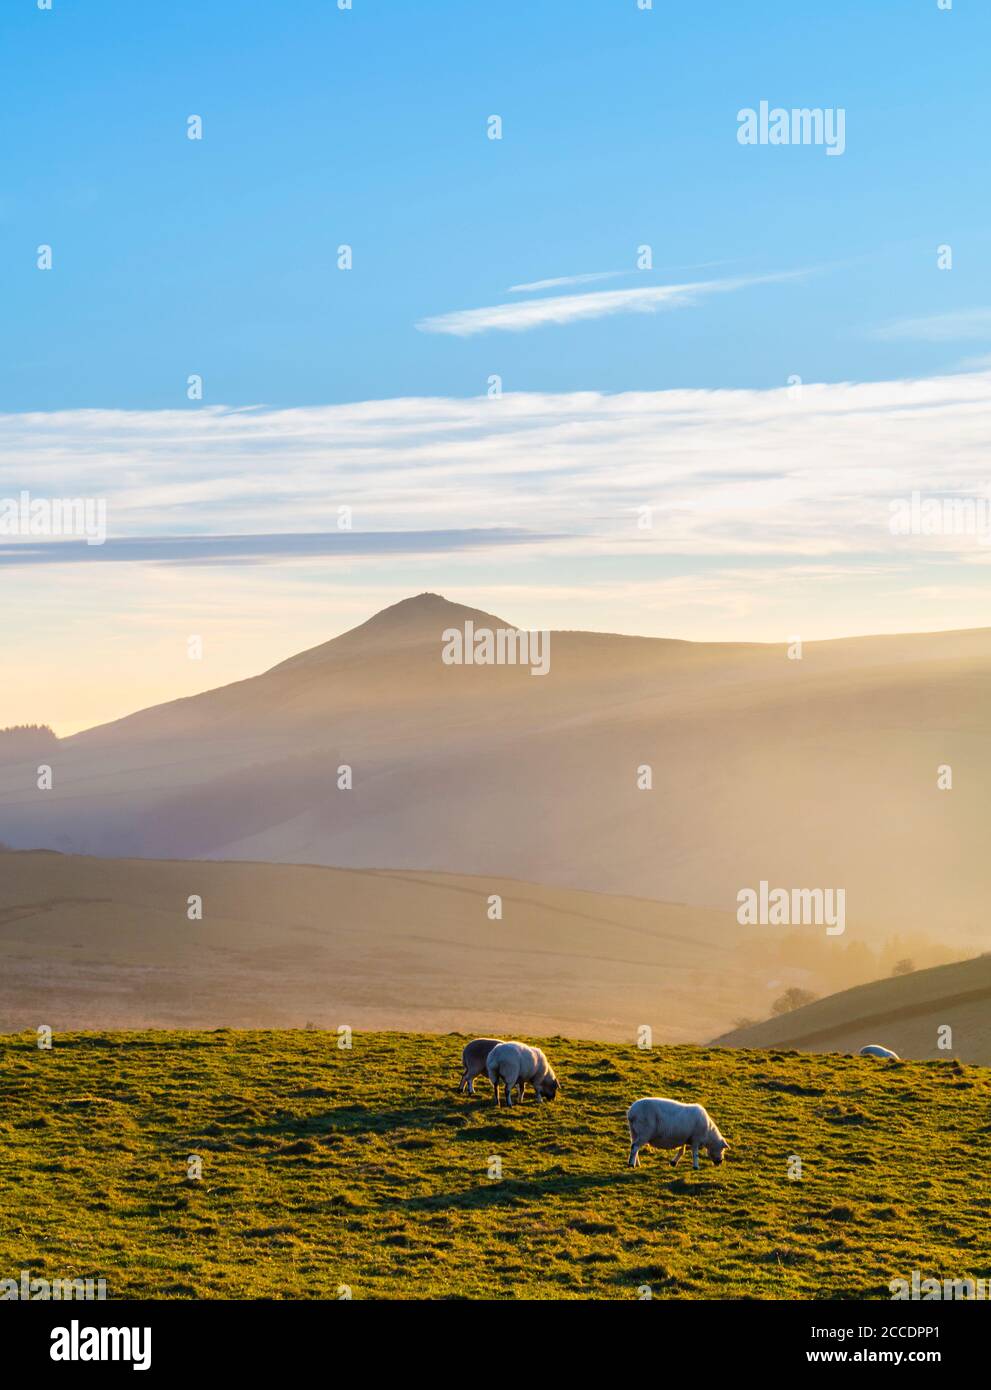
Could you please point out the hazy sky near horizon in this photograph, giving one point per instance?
(708, 447)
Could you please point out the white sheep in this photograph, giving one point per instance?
(876, 1050)
(667, 1124)
(513, 1063)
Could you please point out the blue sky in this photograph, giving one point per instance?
(368, 127)
(626, 394)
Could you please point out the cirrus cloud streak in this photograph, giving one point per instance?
(523, 315)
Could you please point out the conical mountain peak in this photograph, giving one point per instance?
(419, 619)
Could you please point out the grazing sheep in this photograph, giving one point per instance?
(667, 1124)
(473, 1058)
(876, 1050)
(513, 1063)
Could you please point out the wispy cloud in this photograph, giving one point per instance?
(562, 280)
(572, 308)
(725, 473)
(939, 328)
(258, 548)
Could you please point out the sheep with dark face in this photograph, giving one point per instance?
(513, 1063)
(667, 1124)
(876, 1050)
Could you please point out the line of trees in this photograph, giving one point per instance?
(25, 740)
(31, 732)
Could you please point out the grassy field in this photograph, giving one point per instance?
(324, 1167)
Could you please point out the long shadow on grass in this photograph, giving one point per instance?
(522, 1191)
(373, 1119)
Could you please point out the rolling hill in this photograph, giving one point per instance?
(813, 772)
(90, 943)
(904, 1013)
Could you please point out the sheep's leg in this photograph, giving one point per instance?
(695, 1155)
(634, 1155)
(509, 1094)
(678, 1155)
(463, 1082)
(495, 1089)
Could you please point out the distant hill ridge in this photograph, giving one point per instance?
(905, 1013)
(678, 771)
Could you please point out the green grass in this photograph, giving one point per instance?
(364, 1168)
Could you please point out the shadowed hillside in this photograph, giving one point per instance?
(904, 1014)
(103, 943)
(108, 943)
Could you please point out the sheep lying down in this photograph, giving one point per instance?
(667, 1124)
(876, 1050)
